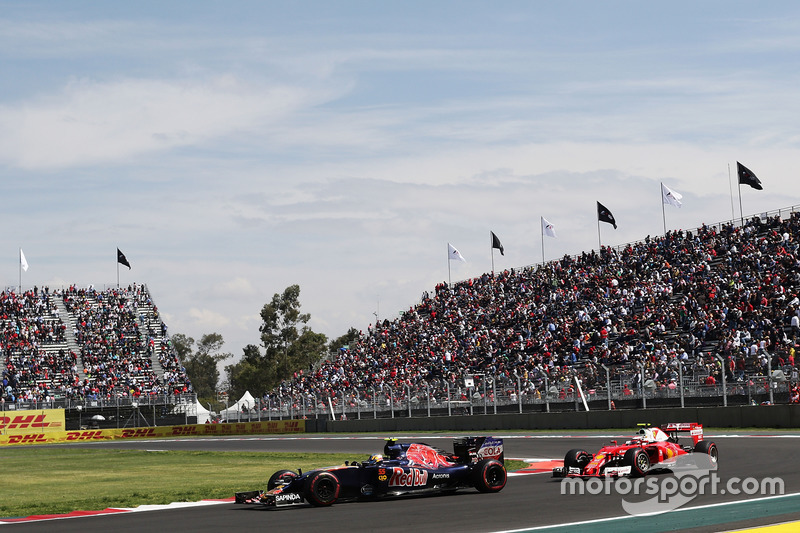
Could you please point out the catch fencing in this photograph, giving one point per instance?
(483, 395)
(473, 395)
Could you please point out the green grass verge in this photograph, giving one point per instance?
(57, 480)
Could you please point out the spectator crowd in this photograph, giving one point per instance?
(717, 300)
(118, 335)
(669, 304)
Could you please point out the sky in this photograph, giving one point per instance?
(232, 149)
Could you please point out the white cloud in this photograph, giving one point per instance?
(207, 319)
(28, 38)
(91, 122)
(236, 287)
(230, 158)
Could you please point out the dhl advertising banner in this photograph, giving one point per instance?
(21, 422)
(35, 435)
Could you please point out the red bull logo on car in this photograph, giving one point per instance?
(413, 477)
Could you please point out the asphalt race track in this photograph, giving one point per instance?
(528, 502)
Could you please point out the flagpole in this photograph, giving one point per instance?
(117, 268)
(663, 216)
(20, 270)
(730, 188)
(491, 250)
(541, 230)
(741, 213)
(448, 266)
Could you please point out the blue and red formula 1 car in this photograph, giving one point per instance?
(652, 448)
(403, 469)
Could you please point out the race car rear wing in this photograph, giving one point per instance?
(693, 428)
(473, 449)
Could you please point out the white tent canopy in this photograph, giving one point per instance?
(203, 414)
(245, 404)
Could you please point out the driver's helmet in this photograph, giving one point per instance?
(376, 458)
(652, 435)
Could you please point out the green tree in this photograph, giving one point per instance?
(306, 351)
(345, 340)
(289, 346)
(282, 318)
(201, 366)
(251, 373)
(182, 345)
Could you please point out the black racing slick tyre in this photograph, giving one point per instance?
(489, 475)
(709, 448)
(322, 489)
(281, 477)
(576, 459)
(638, 460)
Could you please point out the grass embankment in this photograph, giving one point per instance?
(58, 480)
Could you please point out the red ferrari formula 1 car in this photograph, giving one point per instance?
(652, 448)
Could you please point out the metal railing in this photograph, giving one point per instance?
(100, 403)
(491, 395)
(474, 396)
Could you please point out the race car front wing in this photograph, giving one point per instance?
(270, 499)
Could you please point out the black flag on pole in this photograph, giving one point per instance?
(496, 244)
(747, 177)
(604, 215)
(122, 260)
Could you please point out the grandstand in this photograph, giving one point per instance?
(68, 345)
(676, 314)
(708, 305)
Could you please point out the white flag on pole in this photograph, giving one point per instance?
(23, 261)
(454, 254)
(670, 197)
(548, 229)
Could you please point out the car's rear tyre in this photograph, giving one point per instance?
(709, 448)
(489, 475)
(322, 489)
(576, 459)
(638, 460)
(281, 477)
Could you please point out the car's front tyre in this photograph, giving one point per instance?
(576, 459)
(281, 477)
(322, 489)
(638, 460)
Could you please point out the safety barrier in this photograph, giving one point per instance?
(42, 420)
(747, 416)
(36, 435)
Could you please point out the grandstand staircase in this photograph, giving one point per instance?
(69, 334)
(150, 326)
